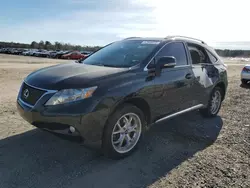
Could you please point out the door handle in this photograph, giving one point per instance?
(188, 76)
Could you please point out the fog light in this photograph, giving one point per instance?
(72, 129)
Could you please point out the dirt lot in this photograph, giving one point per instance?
(188, 151)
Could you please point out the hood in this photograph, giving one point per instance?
(69, 75)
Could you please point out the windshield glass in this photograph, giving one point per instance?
(125, 53)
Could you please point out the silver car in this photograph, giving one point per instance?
(245, 74)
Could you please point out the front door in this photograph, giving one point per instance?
(173, 88)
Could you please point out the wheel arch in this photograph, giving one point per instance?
(223, 87)
(139, 102)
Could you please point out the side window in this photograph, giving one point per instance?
(212, 58)
(198, 54)
(177, 50)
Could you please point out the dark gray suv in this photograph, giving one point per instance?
(111, 97)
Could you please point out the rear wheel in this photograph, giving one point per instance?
(123, 132)
(243, 81)
(214, 103)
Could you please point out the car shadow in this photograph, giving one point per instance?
(39, 159)
(246, 86)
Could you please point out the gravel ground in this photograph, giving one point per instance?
(188, 151)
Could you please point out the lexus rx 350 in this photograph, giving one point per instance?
(111, 97)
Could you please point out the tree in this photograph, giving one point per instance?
(48, 45)
(41, 45)
(58, 46)
(34, 44)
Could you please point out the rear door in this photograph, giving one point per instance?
(205, 69)
(173, 88)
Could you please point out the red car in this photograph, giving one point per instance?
(74, 55)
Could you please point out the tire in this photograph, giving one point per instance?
(213, 108)
(244, 81)
(110, 142)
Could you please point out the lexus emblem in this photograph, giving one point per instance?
(26, 93)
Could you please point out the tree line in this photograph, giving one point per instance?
(233, 53)
(66, 46)
(47, 45)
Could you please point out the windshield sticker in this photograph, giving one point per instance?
(150, 42)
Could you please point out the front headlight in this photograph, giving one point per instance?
(70, 95)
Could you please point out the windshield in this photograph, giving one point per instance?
(125, 53)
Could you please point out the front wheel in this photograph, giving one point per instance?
(214, 103)
(123, 132)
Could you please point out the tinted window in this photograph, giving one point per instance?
(124, 53)
(177, 50)
(212, 58)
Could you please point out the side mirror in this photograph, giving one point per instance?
(166, 62)
(163, 63)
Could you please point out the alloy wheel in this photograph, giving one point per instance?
(126, 133)
(215, 102)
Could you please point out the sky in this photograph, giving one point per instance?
(220, 23)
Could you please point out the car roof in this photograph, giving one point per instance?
(144, 38)
(177, 38)
(170, 38)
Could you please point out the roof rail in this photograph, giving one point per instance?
(184, 37)
(130, 38)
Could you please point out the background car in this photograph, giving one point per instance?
(59, 54)
(3, 50)
(7, 51)
(31, 52)
(54, 53)
(39, 53)
(18, 51)
(24, 52)
(45, 53)
(245, 74)
(74, 55)
(86, 52)
(27, 52)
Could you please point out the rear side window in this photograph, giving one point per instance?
(212, 58)
(177, 50)
(198, 54)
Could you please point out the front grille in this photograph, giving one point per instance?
(30, 95)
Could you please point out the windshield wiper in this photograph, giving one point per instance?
(106, 65)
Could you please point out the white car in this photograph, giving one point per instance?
(29, 52)
(245, 74)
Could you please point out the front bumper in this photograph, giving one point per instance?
(88, 124)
